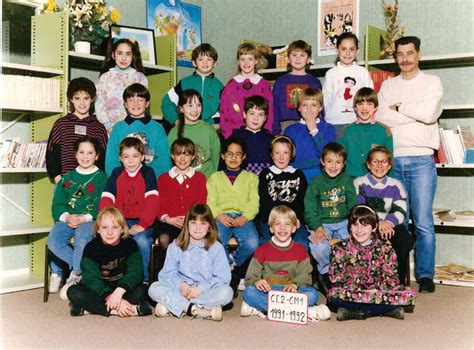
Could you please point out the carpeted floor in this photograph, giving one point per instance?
(443, 320)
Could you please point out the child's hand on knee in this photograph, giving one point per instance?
(290, 288)
(135, 229)
(225, 220)
(318, 236)
(263, 286)
(194, 292)
(126, 309)
(184, 288)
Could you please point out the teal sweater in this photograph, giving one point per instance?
(241, 197)
(208, 145)
(358, 140)
(329, 200)
(210, 89)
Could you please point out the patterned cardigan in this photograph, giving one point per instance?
(367, 274)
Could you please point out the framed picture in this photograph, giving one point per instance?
(173, 17)
(145, 38)
(334, 18)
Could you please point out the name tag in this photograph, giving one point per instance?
(80, 130)
(287, 307)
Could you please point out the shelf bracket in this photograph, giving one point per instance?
(13, 122)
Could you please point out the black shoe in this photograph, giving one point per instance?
(324, 283)
(227, 307)
(76, 310)
(144, 308)
(426, 285)
(345, 314)
(398, 313)
(409, 309)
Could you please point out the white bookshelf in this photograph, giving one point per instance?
(455, 166)
(22, 280)
(9, 66)
(22, 170)
(456, 223)
(454, 282)
(434, 61)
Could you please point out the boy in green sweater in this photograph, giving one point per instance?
(365, 133)
(327, 202)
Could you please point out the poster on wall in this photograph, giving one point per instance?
(173, 17)
(334, 18)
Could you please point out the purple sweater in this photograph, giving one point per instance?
(286, 91)
(232, 101)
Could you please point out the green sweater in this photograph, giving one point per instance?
(208, 145)
(105, 267)
(358, 140)
(78, 193)
(329, 200)
(241, 197)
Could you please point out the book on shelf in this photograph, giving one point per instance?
(19, 91)
(15, 154)
(379, 77)
(456, 146)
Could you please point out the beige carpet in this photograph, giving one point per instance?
(444, 320)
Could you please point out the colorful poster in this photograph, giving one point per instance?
(334, 18)
(173, 17)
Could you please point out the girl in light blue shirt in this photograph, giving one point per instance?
(195, 278)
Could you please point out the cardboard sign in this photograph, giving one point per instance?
(287, 307)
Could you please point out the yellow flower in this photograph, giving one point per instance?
(389, 8)
(51, 6)
(114, 15)
(101, 9)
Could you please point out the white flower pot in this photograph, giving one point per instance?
(82, 47)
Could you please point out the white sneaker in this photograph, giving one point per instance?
(161, 311)
(241, 286)
(319, 313)
(71, 281)
(54, 283)
(213, 314)
(247, 310)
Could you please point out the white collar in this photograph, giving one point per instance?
(132, 174)
(254, 79)
(281, 245)
(252, 131)
(288, 169)
(173, 173)
(354, 63)
(302, 121)
(86, 171)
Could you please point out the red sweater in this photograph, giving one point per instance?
(135, 195)
(176, 198)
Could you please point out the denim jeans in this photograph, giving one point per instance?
(144, 242)
(59, 243)
(170, 297)
(300, 236)
(259, 300)
(246, 236)
(321, 251)
(418, 175)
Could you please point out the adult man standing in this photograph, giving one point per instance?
(410, 105)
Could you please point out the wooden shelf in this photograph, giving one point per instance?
(22, 170)
(18, 68)
(455, 166)
(23, 281)
(434, 61)
(94, 62)
(23, 229)
(454, 282)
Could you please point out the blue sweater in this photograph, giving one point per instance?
(308, 148)
(286, 91)
(196, 266)
(157, 154)
(258, 148)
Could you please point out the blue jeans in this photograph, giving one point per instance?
(321, 251)
(246, 236)
(144, 242)
(170, 297)
(300, 236)
(418, 175)
(59, 243)
(259, 300)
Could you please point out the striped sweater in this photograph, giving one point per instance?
(387, 197)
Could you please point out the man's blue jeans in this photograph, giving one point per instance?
(418, 175)
(259, 300)
(246, 236)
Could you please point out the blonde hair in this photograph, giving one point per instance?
(282, 210)
(247, 49)
(198, 212)
(285, 140)
(116, 215)
(309, 94)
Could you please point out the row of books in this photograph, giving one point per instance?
(20, 91)
(14, 154)
(456, 146)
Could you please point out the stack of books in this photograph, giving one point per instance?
(25, 92)
(456, 146)
(14, 154)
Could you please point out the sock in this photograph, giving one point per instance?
(189, 312)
